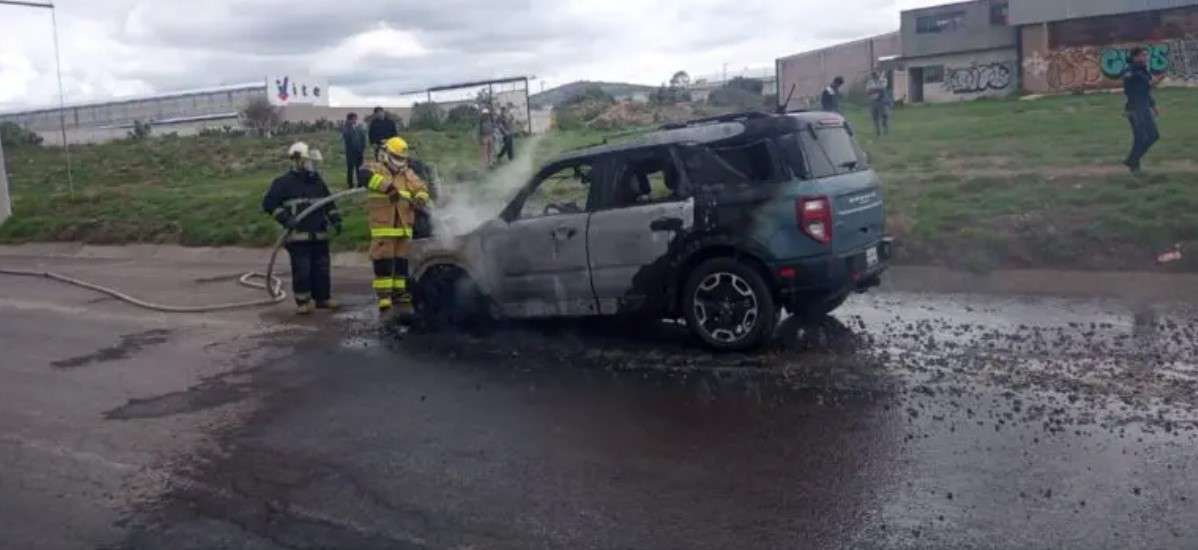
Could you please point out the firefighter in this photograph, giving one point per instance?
(397, 194)
(308, 242)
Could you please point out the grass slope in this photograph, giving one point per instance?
(980, 185)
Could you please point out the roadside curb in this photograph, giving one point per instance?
(1134, 286)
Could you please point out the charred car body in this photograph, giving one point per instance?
(722, 221)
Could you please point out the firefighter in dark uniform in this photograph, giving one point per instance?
(397, 195)
(308, 242)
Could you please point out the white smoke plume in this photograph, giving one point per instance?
(463, 206)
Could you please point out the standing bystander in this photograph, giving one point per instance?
(486, 138)
(382, 128)
(830, 99)
(507, 133)
(880, 102)
(353, 135)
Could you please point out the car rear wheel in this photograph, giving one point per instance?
(728, 305)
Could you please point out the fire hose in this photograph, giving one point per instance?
(270, 283)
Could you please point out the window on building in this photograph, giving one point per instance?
(951, 21)
(999, 11)
(933, 74)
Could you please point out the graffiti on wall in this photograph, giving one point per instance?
(1114, 60)
(977, 79)
(1091, 67)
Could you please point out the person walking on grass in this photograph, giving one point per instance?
(1141, 108)
(880, 103)
(830, 100)
(486, 138)
(353, 135)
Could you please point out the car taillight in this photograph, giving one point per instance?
(814, 215)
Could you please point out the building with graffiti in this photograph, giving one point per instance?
(1073, 45)
(959, 51)
(803, 76)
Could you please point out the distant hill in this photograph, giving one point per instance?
(556, 96)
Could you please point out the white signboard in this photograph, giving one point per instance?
(293, 89)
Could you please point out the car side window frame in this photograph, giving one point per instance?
(606, 198)
(512, 213)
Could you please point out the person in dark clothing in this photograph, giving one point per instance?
(507, 132)
(354, 138)
(1141, 108)
(308, 242)
(830, 99)
(382, 128)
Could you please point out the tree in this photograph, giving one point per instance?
(261, 116)
(680, 80)
(426, 116)
(751, 85)
(462, 116)
(13, 135)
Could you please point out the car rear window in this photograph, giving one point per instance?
(749, 163)
(819, 152)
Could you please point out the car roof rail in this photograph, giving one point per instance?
(730, 117)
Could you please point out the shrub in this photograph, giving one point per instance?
(14, 136)
(261, 117)
(426, 116)
(141, 130)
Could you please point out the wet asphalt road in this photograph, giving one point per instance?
(909, 420)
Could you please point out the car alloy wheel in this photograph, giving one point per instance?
(725, 307)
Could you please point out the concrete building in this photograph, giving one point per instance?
(183, 113)
(960, 51)
(1071, 45)
(808, 73)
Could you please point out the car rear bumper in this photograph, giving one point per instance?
(833, 273)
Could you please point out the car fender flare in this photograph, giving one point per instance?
(696, 250)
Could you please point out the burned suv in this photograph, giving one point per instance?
(722, 221)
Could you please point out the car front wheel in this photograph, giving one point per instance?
(728, 305)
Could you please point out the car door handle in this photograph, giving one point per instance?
(666, 224)
(564, 233)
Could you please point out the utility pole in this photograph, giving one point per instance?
(5, 201)
(5, 197)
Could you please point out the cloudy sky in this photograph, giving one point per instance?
(371, 49)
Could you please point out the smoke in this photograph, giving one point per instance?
(463, 206)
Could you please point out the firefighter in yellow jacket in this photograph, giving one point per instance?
(396, 194)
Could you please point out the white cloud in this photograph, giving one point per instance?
(371, 49)
(383, 44)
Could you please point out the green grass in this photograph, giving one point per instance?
(979, 185)
(1037, 183)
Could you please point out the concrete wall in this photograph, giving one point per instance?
(810, 72)
(1026, 12)
(967, 76)
(975, 31)
(119, 113)
(1088, 54)
(313, 113)
(102, 134)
